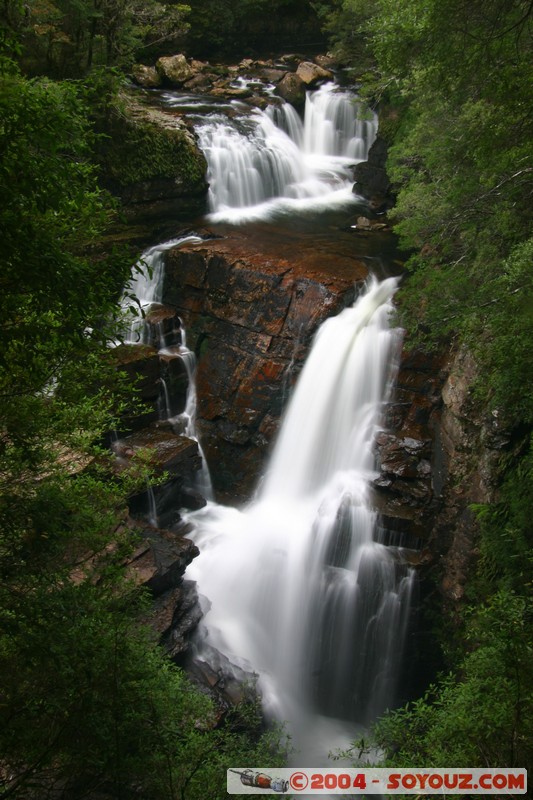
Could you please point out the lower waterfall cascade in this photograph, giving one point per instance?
(296, 587)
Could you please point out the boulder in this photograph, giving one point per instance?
(160, 561)
(231, 91)
(326, 62)
(200, 66)
(371, 179)
(147, 77)
(174, 69)
(273, 75)
(168, 452)
(311, 74)
(199, 81)
(292, 89)
(150, 160)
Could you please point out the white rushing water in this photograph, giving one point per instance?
(145, 289)
(296, 587)
(146, 286)
(185, 422)
(271, 162)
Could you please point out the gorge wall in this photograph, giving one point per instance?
(250, 304)
(250, 315)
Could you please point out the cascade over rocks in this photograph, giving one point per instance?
(251, 303)
(291, 76)
(250, 309)
(250, 315)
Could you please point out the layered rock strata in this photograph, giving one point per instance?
(250, 315)
(159, 564)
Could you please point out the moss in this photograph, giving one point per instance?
(390, 121)
(143, 144)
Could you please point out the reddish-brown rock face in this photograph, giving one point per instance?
(250, 310)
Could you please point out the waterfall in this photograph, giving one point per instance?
(270, 162)
(185, 422)
(298, 589)
(145, 288)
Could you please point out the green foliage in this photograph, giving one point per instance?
(481, 715)
(228, 28)
(66, 38)
(89, 703)
(54, 298)
(345, 23)
(506, 546)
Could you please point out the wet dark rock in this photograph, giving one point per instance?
(250, 314)
(166, 451)
(192, 500)
(177, 614)
(371, 179)
(404, 488)
(164, 560)
(164, 326)
(159, 564)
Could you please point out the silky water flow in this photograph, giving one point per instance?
(295, 587)
(269, 163)
(145, 289)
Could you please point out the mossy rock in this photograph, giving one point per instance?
(147, 154)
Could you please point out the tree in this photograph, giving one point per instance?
(89, 702)
(228, 28)
(458, 75)
(65, 38)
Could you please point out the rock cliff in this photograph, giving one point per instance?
(250, 314)
(150, 160)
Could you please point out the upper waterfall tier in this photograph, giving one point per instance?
(270, 162)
